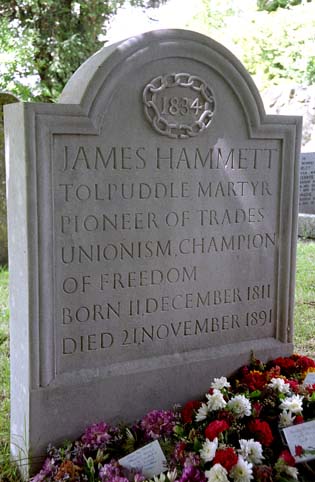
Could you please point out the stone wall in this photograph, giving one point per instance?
(5, 98)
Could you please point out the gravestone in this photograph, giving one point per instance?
(307, 183)
(306, 226)
(5, 98)
(152, 231)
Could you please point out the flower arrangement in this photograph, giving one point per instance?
(233, 434)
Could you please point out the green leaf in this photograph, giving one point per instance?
(255, 394)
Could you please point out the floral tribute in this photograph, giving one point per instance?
(233, 434)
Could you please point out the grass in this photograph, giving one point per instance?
(304, 341)
(8, 472)
(4, 353)
(304, 316)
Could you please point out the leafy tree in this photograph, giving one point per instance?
(272, 5)
(47, 40)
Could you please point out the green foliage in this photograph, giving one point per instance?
(16, 61)
(276, 47)
(45, 41)
(272, 5)
(310, 70)
(8, 472)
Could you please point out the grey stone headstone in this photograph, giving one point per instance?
(5, 98)
(152, 230)
(307, 183)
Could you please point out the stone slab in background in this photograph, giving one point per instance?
(307, 183)
(306, 226)
(5, 98)
(152, 228)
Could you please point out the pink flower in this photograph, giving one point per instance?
(98, 435)
(158, 423)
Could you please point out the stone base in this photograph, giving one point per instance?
(306, 226)
(152, 384)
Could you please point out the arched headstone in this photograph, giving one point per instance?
(5, 98)
(153, 226)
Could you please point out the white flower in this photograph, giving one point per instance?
(279, 385)
(202, 413)
(293, 404)
(220, 383)
(240, 406)
(292, 472)
(208, 450)
(215, 401)
(251, 451)
(242, 471)
(217, 473)
(286, 419)
(158, 478)
(172, 475)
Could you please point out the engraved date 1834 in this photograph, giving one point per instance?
(178, 105)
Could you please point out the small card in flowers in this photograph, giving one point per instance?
(150, 459)
(301, 441)
(309, 379)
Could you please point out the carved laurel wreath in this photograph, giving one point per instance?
(178, 129)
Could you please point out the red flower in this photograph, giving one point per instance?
(244, 371)
(294, 385)
(188, 410)
(310, 388)
(226, 457)
(299, 451)
(298, 419)
(256, 409)
(274, 372)
(303, 362)
(286, 364)
(255, 380)
(287, 457)
(263, 473)
(262, 431)
(215, 428)
(227, 416)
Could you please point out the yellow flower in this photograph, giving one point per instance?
(309, 370)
